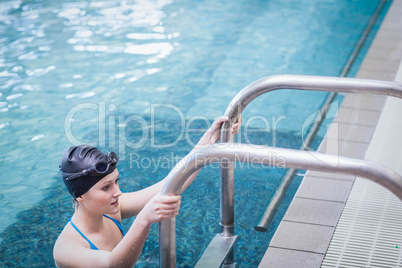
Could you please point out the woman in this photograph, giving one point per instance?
(94, 237)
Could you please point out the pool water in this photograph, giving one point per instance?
(145, 79)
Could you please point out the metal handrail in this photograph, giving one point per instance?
(276, 82)
(284, 184)
(279, 157)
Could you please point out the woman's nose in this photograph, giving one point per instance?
(117, 191)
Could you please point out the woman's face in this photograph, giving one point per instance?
(104, 195)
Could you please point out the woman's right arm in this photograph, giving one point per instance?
(159, 208)
(71, 253)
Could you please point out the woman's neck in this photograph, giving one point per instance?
(93, 222)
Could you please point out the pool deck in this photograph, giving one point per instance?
(342, 221)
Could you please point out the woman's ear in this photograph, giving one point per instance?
(78, 200)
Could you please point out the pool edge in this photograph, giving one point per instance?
(303, 238)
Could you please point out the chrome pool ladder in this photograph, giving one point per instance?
(218, 252)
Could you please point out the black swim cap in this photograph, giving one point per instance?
(83, 166)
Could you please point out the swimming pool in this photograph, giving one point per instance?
(136, 77)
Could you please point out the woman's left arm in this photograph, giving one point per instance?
(132, 203)
(210, 137)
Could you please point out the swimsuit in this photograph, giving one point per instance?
(90, 243)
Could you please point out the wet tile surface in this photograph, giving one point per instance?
(314, 211)
(303, 237)
(280, 258)
(324, 189)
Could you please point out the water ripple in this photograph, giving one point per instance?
(145, 36)
(40, 71)
(38, 137)
(82, 95)
(14, 96)
(151, 48)
(3, 125)
(27, 87)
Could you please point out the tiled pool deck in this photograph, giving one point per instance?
(322, 227)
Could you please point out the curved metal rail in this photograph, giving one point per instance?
(276, 82)
(279, 157)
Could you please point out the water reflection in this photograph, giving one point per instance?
(145, 36)
(14, 96)
(54, 55)
(82, 95)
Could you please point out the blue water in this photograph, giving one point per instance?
(145, 79)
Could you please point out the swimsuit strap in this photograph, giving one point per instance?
(90, 243)
(117, 223)
(86, 238)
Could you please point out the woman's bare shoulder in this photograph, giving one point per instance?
(67, 244)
